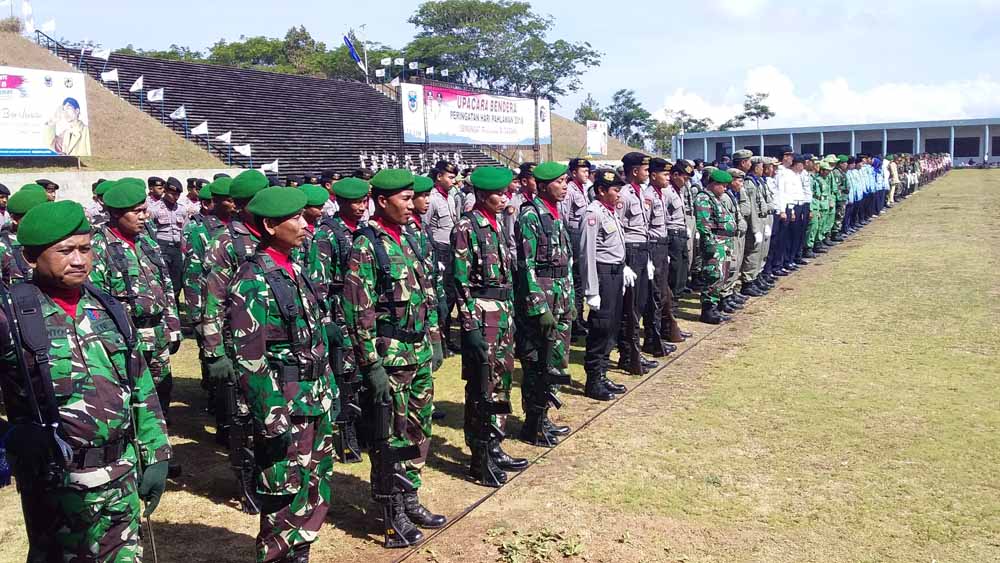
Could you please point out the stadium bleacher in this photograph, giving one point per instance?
(307, 124)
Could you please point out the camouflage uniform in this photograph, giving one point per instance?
(285, 376)
(392, 326)
(543, 283)
(197, 235)
(13, 266)
(91, 511)
(716, 225)
(736, 204)
(230, 248)
(840, 192)
(137, 276)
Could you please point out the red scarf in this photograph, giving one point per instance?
(416, 220)
(610, 208)
(394, 230)
(637, 189)
(67, 299)
(351, 224)
(129, 241)
(489, 216)
(253, 231)
(310, 228)
(282, 260)
(553, 208)
(442, 191)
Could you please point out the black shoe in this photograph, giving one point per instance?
(735, 303)
(399, 530)
(802, 261)
(419, 515)
(615, 388)
(669, 348)
(553, 428)
(629, 366)
(808, 253)
(781, 272)
(534, 433)
(684, 334)
(504, 460)
(483, 469)
(792, 267)
(819, 250)
(299, 555)
(741, 299)
(654, 350)
(709, 314)
(648, 364)
(726, 308)
(438, 415)
(596, 390)
(174, 469)
(750, 290)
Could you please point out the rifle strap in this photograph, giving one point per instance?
(288, 308)
(383, 283)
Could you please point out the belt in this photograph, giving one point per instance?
(497, 293)
(89, 458)
(164, 242)
(677, 230)
(660, 241)
(552, 272)
(148, 321)
(401, 334)
(637, 245)
(603, 268)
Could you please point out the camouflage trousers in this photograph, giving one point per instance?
(838, 222)
(294, 485)
(100, 524)
(714, 271)
(413, 407)
(734, 260)
(156, 348)
(499, 336)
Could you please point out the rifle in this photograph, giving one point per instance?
(388, 476)
(240, 432)
(550, 376)
(349, 384)
(486, 407)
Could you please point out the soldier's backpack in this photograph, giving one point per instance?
(24, 269)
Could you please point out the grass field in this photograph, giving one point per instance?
(851, 415)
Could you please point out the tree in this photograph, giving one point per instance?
(252, 52)
(301, 50)
(661, 135)
(733, 123)
(589, 110)
(173, 53)
(755, 108)
(628, 121)
(687, 123)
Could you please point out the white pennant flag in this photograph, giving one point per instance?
(49, 26)
(430, 70)
(444, 73)
(103, 54)
(380, 72)
(386, 61)
(110, 76)
(136, 86)
(226, 137)
(270, 167)
(414, 65)
(243, 149)
(179, 113)
(398, 61)
(201, 129)
(155, 95)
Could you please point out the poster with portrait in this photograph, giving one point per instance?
(597, 138)
(43, 113)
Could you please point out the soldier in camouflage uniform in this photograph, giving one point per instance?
(327, 267)
(279, 329)
(841, 191)
(716, 225)
(129, 266)
(432, 274)
(386, 308)
(483, 278)
(316, 197)
(734, 203)
(544, 303)
(821, 206)
(80, 480)
(13, 266)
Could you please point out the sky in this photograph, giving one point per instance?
(821, 62)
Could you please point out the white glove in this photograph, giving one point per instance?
(650, 269)
(758, 237)
(441, 267)
(630, 278)
(767, 230)
(594, 303)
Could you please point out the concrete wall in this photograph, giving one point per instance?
(77, 185)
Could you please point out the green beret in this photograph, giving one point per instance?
(103, 187)
(222, 186)
(824, 165)
(316, 196)
(548, 171)
(351, 188)
(392, 179)
(721, 176)
(276, 202)
(32, 187)
(842, 158)
(51, 222)
(247, 183)
(422, 184)
(133, 182)
(23, 200)
(125, 194)
(205, 193)
(494, 178)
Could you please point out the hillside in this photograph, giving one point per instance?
(569, 140)
(122, 137)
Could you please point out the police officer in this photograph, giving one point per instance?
(439, 221)
(634, 214)
(527, 188)
(168, 220)
(87, 450)
(658, 319)
(484, 282)
(50, 188)
(602, 249)
(680, 226)
(573, 208)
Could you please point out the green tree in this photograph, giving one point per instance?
(173, 53)
(628, 121)
(301, 50)
(733, 123)
(661, 135)
(589, 110)
(688, 123)
(755, 108)
(252, 52)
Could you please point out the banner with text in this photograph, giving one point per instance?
(434, 114)
(597, 137)
(43, 113)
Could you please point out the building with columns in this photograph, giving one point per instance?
(962, 138)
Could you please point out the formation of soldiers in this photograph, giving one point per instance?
(321, 310)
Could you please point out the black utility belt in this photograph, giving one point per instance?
(148, 321)
(660, 241)
(101, 456)
(637, 245)
(288, 373)
(497, 293)
(552, 272)
(603, 268)
(164, 242)
(401, 334)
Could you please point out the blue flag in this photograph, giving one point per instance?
(350, 48)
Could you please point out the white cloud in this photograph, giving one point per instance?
(836, 102)
(740, 8)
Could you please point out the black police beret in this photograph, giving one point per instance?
(445, 166)
(4, 190)
(575, 163)
(46, 183)
(174, 184)
(155, 181)
(220, 175)
(787, 150)
(659, 165)
(526, 170)
(363, 173)
(634, 159)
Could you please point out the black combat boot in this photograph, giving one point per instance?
(418, 513)
(504, 460)
(726, 307)
(615, 388)
(483, 469)
(709, 315)
(399, 530)
(299, 555)
(648, 364)
(596, 390)
(818, 249)
(750, 290)
(347, 443)
(736, 302)
(534, 433)
(551, 427)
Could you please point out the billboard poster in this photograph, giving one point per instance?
(455, 116)
(597, 137)
(412, 99)
(43, 113)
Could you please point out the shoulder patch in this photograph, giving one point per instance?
(649, 202)
(510, 210)
(592, 221)
(620, 205)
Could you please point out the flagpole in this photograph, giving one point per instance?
(185, 125)
(119, 86)
(105, 67)
(163, 110)
(229, 158)
(142, 94)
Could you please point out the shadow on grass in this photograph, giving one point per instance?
(186, 542)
